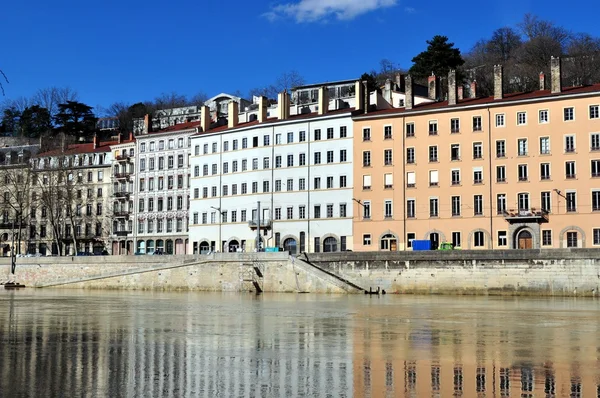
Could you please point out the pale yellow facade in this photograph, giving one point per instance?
(522, 171)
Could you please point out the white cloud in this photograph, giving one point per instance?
(410, 10)
(316, 10)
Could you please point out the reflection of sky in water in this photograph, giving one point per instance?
(81, 343)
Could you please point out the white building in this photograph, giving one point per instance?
(298, 167)
(123, 177)
(162, 189)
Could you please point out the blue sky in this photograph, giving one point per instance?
(133, 50)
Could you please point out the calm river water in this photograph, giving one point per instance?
(74, 343)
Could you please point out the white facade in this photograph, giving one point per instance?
(123, 177)
(161, 189)
(306, 204)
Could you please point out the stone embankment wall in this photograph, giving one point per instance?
(564, 272)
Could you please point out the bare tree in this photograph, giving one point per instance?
(5, 79)
(51, 97)
(285, 81)
(16, 200)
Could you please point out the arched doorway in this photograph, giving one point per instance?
(141, 249)
(233, 246)
(289, 245)
(179, 246)
(434, 238)
(169, 249)
(330, 245)
(524, 239)
(204, 247)
(388, 242)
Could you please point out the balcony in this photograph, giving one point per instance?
(121, 213)
(123, 158)
(264, 224)
(123, 175)
(122, 195)
(122, 233)
(523, 215)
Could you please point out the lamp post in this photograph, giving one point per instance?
(220, 223)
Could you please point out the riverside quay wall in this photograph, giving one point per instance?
(560, 272)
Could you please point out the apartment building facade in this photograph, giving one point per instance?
(123, 177)
(280, 182)
(508, 171)
(161, 190)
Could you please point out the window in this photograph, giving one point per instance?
(317, 183)
(543, 116)
(367, 210)
(411, 179)
(595, 200)
(244, 143)
(302, 136)
(329, 211)
(455, 176)
(254, 142)
(366, 134)
(290, 213)
(521, 118)
(387, 157)
(388, 209)
(214, 146)
(501, 203)
(254, 187)
(478, 239)
(545, 171)
(477, 175)
(523, 173)
(522, 146)
(500, 173)
(410, 155)
(343, 156)
(255, 163)
(388, 180)
(244, 188)
(330, 133)
(235, 145)
(367, 182)
(317, 134)
(410, 130)
(329, 156)
(179, 161)
(343, 210)
(523, 201)
(290, 160)
(595, 167)
(302, 184)
(366, 239)
(594, 112)
(433, 127)
(433, 153)
(278, 213)
(387, 133)
(455, 152)
(569, 143)
(302, 159)
(433, 207)
(569, 114)
(545, 201)
(546, 237)
(545, 145)
(205, 149)
(500, 149)
(502, 238)
(266, 162)
(267, 139)
(595, 233)
(571, 202)
(456, 206)
(456, 239)
(500, 120)
(317, 245)
(302, 212)
(366, 158)
(476, 123)
(477, 150)
(595, 142)
(317, 211)
(454, 125)
(572, 239)
(290, 137)
(343, 182)
(478, 205)
(410, 208)
(317, 158)
(330, 183)
(143, 147)
(142, 164)
(433, 178)
(570, 170)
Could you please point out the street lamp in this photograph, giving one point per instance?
(220, 219)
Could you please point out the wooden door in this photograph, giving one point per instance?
(525, 240)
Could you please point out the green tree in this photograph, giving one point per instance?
(75, 119)
(371, 81)
(35, 121)
(439, 58)
(10, 121)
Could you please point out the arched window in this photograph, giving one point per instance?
(388, 242)
(289, 245)
(330, 245)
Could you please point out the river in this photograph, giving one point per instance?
(79, 343)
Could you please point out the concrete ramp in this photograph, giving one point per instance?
(326, 276)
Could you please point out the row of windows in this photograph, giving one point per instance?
(151, 163)
(172, 203)
(290, 138)
(152, 145)
(171, 181)
(287, 213)
(478, 205)
(161, 225)
(318, 183)
(266, 163)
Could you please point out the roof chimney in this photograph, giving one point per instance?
(410, 96)
(366, 96)
(461, 92)
(358, 95)
(232, 114)
(283, 105)
(119, 137)
(147, 125)
(542, 81)
(555, 64)
(498, 82)
(95, 141)
(473, 89)
(399, 82)
(433, 87)
(131, 136)
(204, 118)
(323, 100)
(387, 92)
(262, 109)
(452, 92)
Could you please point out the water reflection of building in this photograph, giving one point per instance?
(470, 359)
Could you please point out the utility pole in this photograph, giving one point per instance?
(258, 227)
(220, 224)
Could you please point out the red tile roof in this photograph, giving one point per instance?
(76, 149)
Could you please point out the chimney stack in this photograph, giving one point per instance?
(95, 141)
(233, 110)
(498, 82)
(147, 125)
(262, 109)
(433, 87)
(452, 91)
(131, 136)
(461, 92)
(204, 118)
(542, 81)
(119, 137)
(399, 82)
(283, 105)
(359, 94)
(555, 64)
(387, 92)
(410, 96)
(473, 90)
(323, 100)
